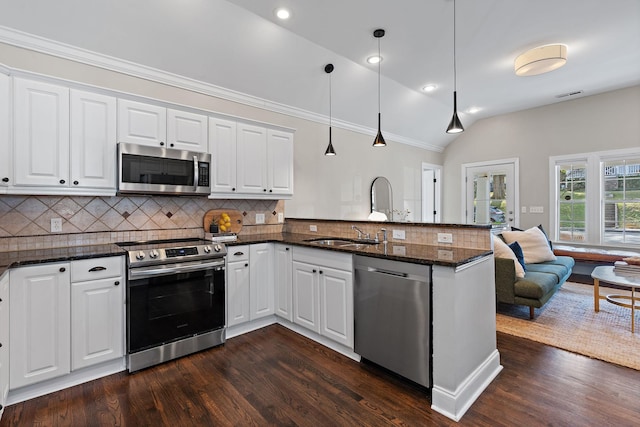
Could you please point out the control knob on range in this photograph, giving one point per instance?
(140, 255)
(154, 254)
(217, 248)
(207, 249)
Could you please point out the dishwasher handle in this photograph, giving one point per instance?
(390, 273)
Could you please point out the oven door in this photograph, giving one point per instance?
(168, 303)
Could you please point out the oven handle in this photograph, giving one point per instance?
(142, 274)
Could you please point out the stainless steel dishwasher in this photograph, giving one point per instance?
(392, 316)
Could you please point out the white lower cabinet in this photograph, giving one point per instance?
(282, 276)
(250, 289)
(4, 341)
(97, 311)
(63, 317)
(323, 293)
(39, 323)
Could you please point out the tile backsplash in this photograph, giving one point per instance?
(25, 221)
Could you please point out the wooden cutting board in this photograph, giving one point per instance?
(214, 215)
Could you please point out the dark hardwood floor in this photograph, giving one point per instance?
(276, 377)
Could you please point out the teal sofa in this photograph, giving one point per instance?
(540, 282)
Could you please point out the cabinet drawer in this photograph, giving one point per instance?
(96, 268)
(237, 253)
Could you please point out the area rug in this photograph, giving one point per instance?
(569, 322)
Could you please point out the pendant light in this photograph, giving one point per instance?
(455, 126)
(330, 151)
(379, 141)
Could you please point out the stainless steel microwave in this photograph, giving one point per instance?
(155, 170)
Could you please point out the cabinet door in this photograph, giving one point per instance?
(222, 146)
(5, 136)
(93, 140)
(282, 279)
(336, 305)
(186, 131)
(306, 310)
(4, 340)
(262, 298)
(41, 133)
(39, 323)
(141, 123)
(238, 293)
(97, 321)
(251, 174)
(280, 152)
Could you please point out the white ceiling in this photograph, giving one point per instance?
(238, 45)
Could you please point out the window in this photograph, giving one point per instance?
(595, 198)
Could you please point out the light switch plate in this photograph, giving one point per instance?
(398, 234)
(313, 228)
(536, 209)
(259, 218)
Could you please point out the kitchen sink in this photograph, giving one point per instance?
(332, 241)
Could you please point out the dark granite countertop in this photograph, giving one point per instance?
(419, 254)
(41, 256)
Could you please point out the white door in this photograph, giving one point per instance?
(238, 293)
(280, 160)
(222, 146)
(251, 173)
(97, 314)
(336, 305)
(93, 140)
(186, 131)
(39, 323)
(5, 135)
(490, 195)
(282, 279)
(41, 133)
(431, 185)
(305, 296)
(141, 123)
(262, 292)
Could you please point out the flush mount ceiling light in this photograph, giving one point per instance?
(455, 125)
(379, 141)
(541, 60)
(282, 13)
(330, 151)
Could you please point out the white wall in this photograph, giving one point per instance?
(593, 123)
(325, 187)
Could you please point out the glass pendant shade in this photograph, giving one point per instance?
(455, 125)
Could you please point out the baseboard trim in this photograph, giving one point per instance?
(454, 404)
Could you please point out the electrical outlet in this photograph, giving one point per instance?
(259, 218)
(445, 238)
(280, 217)
(313, 228)
(399, 250)
(398, 234)
(524, 209)
(56, 225)
(446, 255)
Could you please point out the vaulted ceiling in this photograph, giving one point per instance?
(241, 46)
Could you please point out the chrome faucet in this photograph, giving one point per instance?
(360, 232)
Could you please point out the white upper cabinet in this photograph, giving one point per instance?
(156, 126)
(280, 161)
(93, 140)
(251, 159)
(141, 123)
(5, 135)
(41, 133)
(186, 131)
(222, 146)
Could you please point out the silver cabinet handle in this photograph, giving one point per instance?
(196, 175)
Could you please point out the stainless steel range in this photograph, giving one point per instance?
(175, 299)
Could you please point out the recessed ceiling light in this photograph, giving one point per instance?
(282, 13)
(474, 110)
(429, 87)
(374, 59)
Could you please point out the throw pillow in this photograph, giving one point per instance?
(501, 250)
(534, 244)
(517, 250)
(541, 229)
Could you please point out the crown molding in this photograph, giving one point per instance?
(65, 51)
